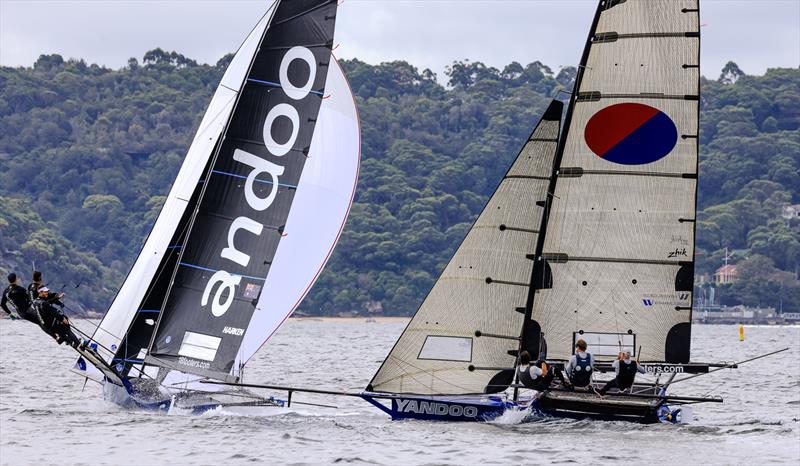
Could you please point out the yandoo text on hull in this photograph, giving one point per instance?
(248, 225)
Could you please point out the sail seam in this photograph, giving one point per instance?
(606, 37)
(557, 258)
(593, 96)
(192, 266)
(576, 172)
(234, 175)
(527, 177)
(272, 84)
(525, 230)
(310, 46)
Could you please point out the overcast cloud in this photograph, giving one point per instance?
(757, 34)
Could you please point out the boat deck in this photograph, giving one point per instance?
(590, 404)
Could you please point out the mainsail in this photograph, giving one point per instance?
(269, 197)
(482, 291)
(160, 247)
(618, 242)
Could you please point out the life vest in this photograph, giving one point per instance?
(627, 372)
(581, 374)
(539, 383)
(525, 376)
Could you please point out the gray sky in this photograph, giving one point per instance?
(757, 34)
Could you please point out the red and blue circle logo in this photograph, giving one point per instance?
(631, 134)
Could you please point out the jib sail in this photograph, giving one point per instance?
(619, 235)
(470, 321)
(272, 204)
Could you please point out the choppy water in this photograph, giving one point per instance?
(45, 418)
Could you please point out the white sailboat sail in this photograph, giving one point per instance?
(483, 289)
(126, 305)
(619, 235)
(263, 209)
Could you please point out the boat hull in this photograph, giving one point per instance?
(483, 408)
(190, 403)
(444, 408)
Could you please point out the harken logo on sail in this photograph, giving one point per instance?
(631, 134)
(224, 282)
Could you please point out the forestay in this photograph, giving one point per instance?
(619, 237)
(484, 288)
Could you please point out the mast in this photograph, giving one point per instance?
(540, 273)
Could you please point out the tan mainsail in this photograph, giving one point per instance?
(484, 288)
(619, 238)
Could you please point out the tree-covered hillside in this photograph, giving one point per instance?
(87, 154)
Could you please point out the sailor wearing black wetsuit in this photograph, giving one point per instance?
(17, 296)
(580, 367)
(626, 370)
(56, 324)
(33, 288)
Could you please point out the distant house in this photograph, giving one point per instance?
(791, 211)
(725, 274)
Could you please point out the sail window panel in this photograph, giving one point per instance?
(199, 346)
(446, 348)
(651, 65)
(614, 299)
(682, 159)
(609, 216)
(608, 344)
(641, 16)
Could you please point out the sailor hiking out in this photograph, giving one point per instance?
(17, 297)
(55, 323)
(626, 370)
(580, 367)
(33, 287)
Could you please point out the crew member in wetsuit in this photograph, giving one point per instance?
(33, 288)
(18, 297)
(537, 376)
(580, 366)
(626, 370)
(56, 324)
